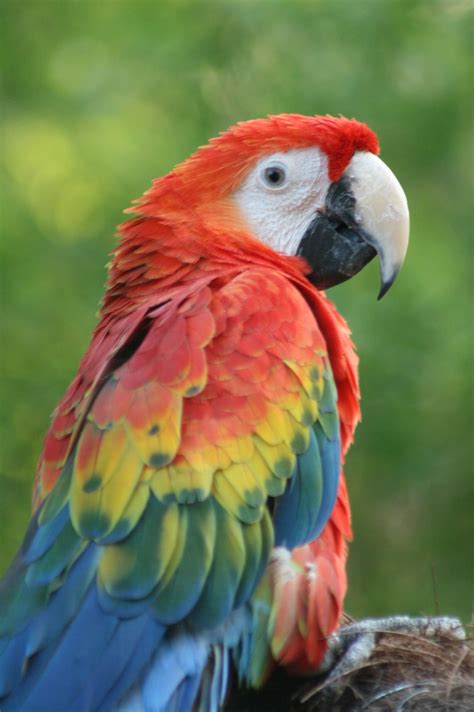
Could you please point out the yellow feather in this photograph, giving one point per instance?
(117, 563)
(259, 467)
(105, 505)
(160, 483)
(310, 375)
(275, 425)
(304, 410)
(158, 445)
(135, 508)
(240, 449)
(208, 459)
(114, 448)
(188, 484)
(280, 459)
(226, 494)
(270, 483)
(300, 436)
(237, 489)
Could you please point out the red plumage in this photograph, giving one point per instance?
(187, 243)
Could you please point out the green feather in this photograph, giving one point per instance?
(328, 416)
(131, 568)
(65, 549)
(218, 595)
(56, 500)
(19, 601)
(178, 593)
(258, 540)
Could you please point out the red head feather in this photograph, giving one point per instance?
(214, 170)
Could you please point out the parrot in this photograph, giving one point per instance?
(190, 512)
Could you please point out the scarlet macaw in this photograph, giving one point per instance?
(189, 508)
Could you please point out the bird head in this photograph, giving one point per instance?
(311, 186)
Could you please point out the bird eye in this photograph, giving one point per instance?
(274, 176)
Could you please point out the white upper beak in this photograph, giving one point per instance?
(381, 211)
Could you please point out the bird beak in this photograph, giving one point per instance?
(365, 214)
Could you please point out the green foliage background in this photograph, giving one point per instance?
(100, 97)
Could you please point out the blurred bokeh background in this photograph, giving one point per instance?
(101, 96)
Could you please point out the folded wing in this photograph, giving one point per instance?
(209, 434)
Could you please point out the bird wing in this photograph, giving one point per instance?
(208, 435)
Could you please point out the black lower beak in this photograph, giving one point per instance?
(333, 245)
(334, 252)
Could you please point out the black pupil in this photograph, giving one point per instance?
(274, 176)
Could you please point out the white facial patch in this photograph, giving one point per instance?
(281, 194)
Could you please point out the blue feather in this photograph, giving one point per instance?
(179, 659)
(330, 452)
(86, 664)
(62, 673)
(45, 535)
(185, 695)
(126, 689)
(51, 620)
(11, 663)
(189, 669)
(46, 625)
(303, 510)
